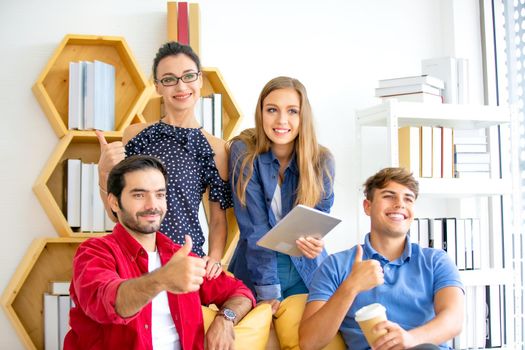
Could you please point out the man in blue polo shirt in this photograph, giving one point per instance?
(420, 287)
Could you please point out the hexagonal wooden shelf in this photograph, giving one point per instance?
(49, 187)
(51, 88)
(48, 259)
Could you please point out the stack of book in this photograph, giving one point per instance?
(91, 96)
(471, 157)
(422, 88)
(57, 304)
(208, 112)
(426, 151)
(85, 209)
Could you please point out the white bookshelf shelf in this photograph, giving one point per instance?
(457, 188)
(445, 115)
(486, 277)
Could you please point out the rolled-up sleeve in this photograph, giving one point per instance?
(220, 289)
(96, 282)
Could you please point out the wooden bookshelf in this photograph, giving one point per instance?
(52, 86)
(47, 259)
(50, 186)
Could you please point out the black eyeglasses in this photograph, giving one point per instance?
(173, 80)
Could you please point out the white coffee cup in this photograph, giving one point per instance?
(367, 317)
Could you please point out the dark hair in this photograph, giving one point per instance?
(116, 181)
(173, 48)
(379, 180)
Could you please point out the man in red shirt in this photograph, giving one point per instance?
(135, 288)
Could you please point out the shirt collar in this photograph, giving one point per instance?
(269, 158)
(370, 252)
(133, 247)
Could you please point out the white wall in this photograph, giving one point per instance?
(337, 48)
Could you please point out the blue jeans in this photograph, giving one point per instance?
(290, 280)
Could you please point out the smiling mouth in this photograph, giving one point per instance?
(396, 216)
(182, 96)
(281, 131)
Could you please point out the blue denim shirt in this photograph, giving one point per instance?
(254, 265)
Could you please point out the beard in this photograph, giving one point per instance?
(133, 223)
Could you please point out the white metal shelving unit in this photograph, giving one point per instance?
(392, 115)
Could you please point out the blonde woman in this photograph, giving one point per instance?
(274, 167)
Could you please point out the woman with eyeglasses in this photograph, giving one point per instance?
(274, 167)
(195, 160)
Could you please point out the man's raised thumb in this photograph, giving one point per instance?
(358, 254)
(186, 248)
(101, 138)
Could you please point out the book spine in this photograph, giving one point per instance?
(182, 24)
(172, 21)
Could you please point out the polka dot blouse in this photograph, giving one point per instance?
(188, 158)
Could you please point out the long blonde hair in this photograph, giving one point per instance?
(311, 157)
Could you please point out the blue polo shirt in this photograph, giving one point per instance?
(411, 281)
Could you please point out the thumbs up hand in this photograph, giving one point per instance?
(110, 155)
(365, 274)
(183, 273)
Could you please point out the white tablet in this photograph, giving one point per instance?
(301, 221)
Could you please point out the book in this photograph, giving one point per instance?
(207, 114)
(86, 198)
(74, 170)
(437, 157)
(436, 233)
(481, 167)
(416, 97)
(468, 244)
(470, 148)
(407, 89)
(172, 21)
(194, 25)
(183, 34)
(409, 147)
(99, 212)
(447, 153)
(417, 79)
(471, 157)
(463, 80)
(424, 232)
(426, 151)
(414, 231)
(217, 115)
(493, 300)
(461, 252)
(76, 96)
(59, 287)
(470, 140)
(472, 174)
(64, 305)
(449, 238)
(301, 221)
(51, 332)
(446, 69)
(477, 243)
(89, 95)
